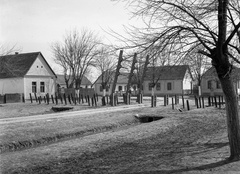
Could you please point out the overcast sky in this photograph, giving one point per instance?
(33, 25)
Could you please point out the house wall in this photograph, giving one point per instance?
(187, 82)
(40, 67)
(49, 83)
(97, 88)
(176, 87)
(214, 90)
(11, 85)
(39, 72)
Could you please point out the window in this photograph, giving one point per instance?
(169, 86)
(218, 85)
(150, 86)
(42, 87)
(209, 84)
(34, 87)
(107, 88)
(120, 88)
(158, 86)
(101, 88)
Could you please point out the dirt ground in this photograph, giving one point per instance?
(192, 141)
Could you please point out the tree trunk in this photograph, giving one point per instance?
(232, 117)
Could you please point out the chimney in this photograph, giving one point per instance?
(16, 52)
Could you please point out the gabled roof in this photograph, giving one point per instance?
(122, 78)
(19, 64)
(211, 72)
(61, 80)
(176, 72)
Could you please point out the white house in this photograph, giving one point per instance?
(27, 73)
(210, 84)
(121, 85)
(86, 83)
(170, 80)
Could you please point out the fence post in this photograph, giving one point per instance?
(61, 98)
(203, 102)
(36, 97)
(23, 98)
(74, 99)
(56, 99)
(200, 103)
(47, 97)
(188, 107)
(209, 101)
(219, 98)
(92, 99)
(215, 99)
(152, 101)
(196, 102)
(44, 98)
(183, 101)
(39, 101)
(30, 97)
(69, 99)
(52, 99)
(95, 99)
(65, 99)
(82, 98)
(88, 100)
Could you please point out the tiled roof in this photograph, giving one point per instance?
(122, 78)
(167, 72)
(211, 72)
(61, 80)
(18, 64)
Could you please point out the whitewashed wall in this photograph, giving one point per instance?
(48, 81)
(177, 87)
(11, 85)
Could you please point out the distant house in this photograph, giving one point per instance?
(86, 83)
(210, 84)
(27, 73)
(121, 85)
(171, 80)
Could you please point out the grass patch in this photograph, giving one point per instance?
(15, 136)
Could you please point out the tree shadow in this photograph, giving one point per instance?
(202, 167)
(195, 168)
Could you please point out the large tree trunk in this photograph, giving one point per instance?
(232, 116)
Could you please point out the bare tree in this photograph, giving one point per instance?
(198, 64)
(6, 66)
(106, 62)
(181, 24)
(76, 54)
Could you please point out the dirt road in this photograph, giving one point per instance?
(71, 114)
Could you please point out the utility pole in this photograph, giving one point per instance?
(130, 77)
(117, 73)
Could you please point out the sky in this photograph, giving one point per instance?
(33, 25)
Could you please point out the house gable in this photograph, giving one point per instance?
(167, 72)
(20, 65)
(40, 68)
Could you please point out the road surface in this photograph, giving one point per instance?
(70, 114)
